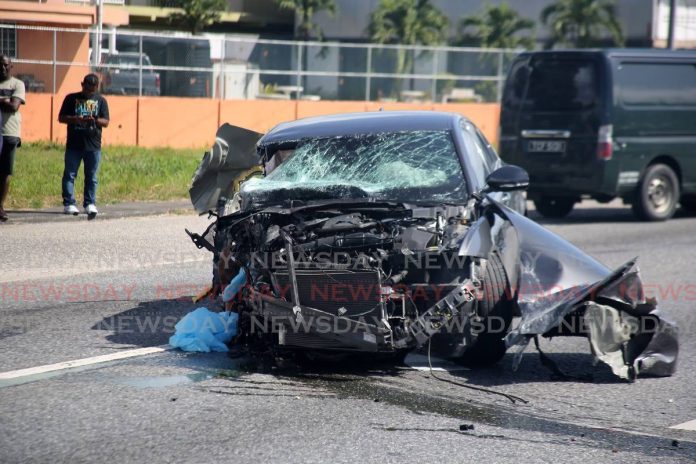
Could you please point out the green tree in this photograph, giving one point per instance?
(407, 22)
(581, 23)
(497, 27)
(305, 10)
(198, 14)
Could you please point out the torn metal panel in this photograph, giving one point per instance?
(609, 331)
(557, 279)
(232, 160)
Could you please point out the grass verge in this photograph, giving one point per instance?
(125, 174)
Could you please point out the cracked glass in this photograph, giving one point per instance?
(398, 166)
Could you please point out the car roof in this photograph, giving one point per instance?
(360, 123)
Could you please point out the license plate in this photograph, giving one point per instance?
(546, 146)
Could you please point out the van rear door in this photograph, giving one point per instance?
(551, 115)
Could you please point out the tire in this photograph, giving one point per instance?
(554, 207)
(496, 309)
(657, 194)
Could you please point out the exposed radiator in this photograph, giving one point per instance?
(341, 292)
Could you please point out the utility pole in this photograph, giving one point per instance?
(672, 23)
(96, 52)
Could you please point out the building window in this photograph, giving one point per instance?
(8, 41)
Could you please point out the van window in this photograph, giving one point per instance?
(653, 84)
(562, 85)
(516, 84)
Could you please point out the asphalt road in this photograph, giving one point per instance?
(72, 290)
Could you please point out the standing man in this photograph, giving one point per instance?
(11, 96)
(85, 113)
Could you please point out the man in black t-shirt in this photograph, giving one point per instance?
(85, 113)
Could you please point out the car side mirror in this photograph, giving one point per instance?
(507, 179)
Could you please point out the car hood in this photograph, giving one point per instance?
(232, 160)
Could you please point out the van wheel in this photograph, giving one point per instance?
(554, 207)
(657, 194)
(496, 308)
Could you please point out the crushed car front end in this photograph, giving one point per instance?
(376, 240)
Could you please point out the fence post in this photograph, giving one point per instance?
(369, 73)
(434, 88)
(140, 67)
(223, 71)
(499, 92)
(55, 53)
(298, 79)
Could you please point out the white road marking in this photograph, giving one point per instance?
(691, 425)
(82, 362)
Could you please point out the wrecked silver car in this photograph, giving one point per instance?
(382, 232)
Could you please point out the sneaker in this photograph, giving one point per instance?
(71, 209)
(91, 211)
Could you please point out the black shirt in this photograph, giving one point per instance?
(87, 138)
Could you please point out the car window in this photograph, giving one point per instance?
(128, 61)
(491, 156)
(475, 153)
(400, 166)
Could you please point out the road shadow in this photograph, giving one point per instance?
(600, 214)
(151, 323)
(44, 212)
(572, 367)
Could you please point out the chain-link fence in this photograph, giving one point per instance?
(243, 67)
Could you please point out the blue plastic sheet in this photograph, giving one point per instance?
(235, 285)
(204, 331)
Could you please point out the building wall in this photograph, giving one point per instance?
(685, 28)
(71, 47)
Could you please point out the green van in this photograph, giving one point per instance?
(603, 124)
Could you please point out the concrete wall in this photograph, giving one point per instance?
(192, 122)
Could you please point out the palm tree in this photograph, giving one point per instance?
(306, 9)
(407, 22)
(497, 27)
(581, 23)
(198, 14)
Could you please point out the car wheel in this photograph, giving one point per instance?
(657, 194)
(496, 309)
(554, 207)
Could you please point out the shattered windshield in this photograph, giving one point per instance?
(397, 166)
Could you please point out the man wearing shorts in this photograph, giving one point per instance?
(12, 95)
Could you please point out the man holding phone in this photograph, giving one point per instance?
(85, 113)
